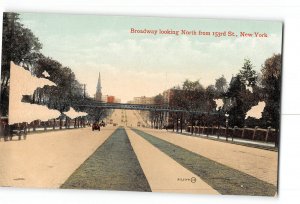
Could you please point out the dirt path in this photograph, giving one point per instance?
(48, 159)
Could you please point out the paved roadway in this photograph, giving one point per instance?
(127, 157)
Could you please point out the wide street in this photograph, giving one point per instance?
(128, 157)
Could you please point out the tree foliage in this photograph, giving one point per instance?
(192, 85)
(221, 86)
(191, 96)
(22, 47)
(244, 92)
(271, 80)
(58, 97)
(159, 99)
(247, 75)
(19, 45)
(236, 110)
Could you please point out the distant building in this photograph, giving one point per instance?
(98, 95)
(110, 99)
(143, 100)
(168, 95)
(104, 98)
(117, 100)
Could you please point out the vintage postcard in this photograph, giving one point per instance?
(181, 105)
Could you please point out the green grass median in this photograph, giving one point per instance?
(113, 166)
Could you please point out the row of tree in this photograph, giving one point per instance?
(22, 47)
(245, 90)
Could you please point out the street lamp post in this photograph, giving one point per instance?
(196, 124)
(226, 115)
(219, 118)
(179, 123)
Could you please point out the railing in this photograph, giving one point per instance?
(259, 134)
(6, 131)
(51, 125)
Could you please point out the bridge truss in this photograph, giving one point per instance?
(145, 107)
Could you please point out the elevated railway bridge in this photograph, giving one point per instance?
(145, 107)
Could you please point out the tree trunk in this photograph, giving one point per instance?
(173, 121)
(181, 122)
(177, 128)
(60, 123)
(66, 123)
(277, 138)
(33, 129)
(54, 123)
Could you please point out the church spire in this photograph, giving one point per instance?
(99, 84)
(98, 95)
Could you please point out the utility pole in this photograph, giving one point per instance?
(84, 88)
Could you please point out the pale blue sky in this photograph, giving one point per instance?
(139, 64)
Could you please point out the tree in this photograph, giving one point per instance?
(247, 75)
(19, 45)
(211, 94)
(236, 107)
(192, 85)
(221, 86)
(159, 99)
(243, 93)
(157, 117)
(22, 47)
(192, 96)
(271, 80)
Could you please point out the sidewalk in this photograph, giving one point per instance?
(48, 160)
(251, 143)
